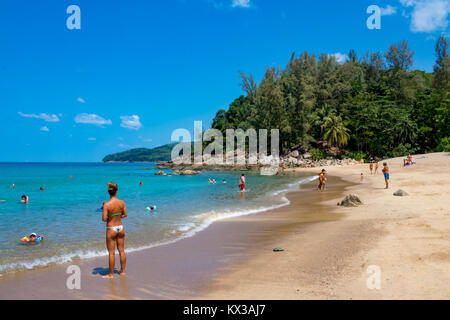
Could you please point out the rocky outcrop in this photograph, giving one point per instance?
(296, 158)
(161, 173)
(350, 201)
(186, 172)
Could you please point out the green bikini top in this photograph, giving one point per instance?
(115, 214)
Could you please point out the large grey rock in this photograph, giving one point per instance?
(350, 201)
(160, 173)
(401, 193)
(185, 172)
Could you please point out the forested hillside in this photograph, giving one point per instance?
(372, 105)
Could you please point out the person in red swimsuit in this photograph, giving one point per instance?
(242, 183)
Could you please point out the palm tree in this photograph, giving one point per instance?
(336, 133)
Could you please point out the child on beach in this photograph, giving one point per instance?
(362, 177)
(371, 167)
(386, 174)
(376, 167)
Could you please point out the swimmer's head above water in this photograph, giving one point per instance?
(24, 199)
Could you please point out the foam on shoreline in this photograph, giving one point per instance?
(200, 222)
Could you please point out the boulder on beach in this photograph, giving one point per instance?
(350, 201)
(401, 193)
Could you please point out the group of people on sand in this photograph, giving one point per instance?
(385, 171)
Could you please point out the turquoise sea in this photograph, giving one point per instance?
(65, 213)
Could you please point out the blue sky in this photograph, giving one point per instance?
(138, 69)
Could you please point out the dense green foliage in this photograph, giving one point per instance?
(142, 155)
(375, 105)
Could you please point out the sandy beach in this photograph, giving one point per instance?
(406, 237)
(327, 248)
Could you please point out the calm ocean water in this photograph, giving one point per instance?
(65, 213)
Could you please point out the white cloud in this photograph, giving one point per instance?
(92, 119)
(131, 122)
(428, 15)
(389, 10)
(241, 3)
(43, 116)
(124, 146)
(340, 57)
(81, 100)
(45, 129)
(92, 139)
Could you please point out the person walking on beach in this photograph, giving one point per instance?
(371, 167)
(386, 174)
(376, 167)
(322, 180)
(113, 212)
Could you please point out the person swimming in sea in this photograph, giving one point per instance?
(24, 199)
(113, 212)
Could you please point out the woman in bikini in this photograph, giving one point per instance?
(113, 212)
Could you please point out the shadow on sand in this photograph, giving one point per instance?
(102, 271)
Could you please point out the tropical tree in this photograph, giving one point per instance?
(336, 133)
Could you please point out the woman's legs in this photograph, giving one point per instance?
(110, 245)
(121, 247)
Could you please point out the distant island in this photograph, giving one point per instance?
(161, 153)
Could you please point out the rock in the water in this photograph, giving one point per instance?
(160, 173)
(185, 172)
(350, 201)
(278, 249)
(401, 193)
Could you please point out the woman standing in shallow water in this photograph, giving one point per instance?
(113, 212)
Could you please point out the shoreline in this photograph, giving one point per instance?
(202, 265)
(327, 248)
